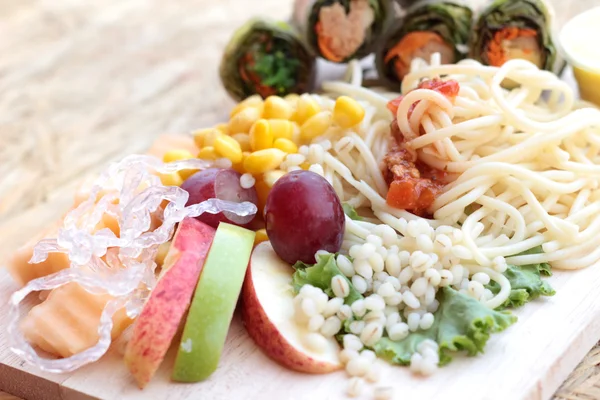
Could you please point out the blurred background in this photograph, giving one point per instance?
(85, 82)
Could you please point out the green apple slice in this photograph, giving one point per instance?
(213, 304)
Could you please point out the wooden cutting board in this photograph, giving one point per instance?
(528, 361)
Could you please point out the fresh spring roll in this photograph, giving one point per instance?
(342, 30)
(266, 58)
(429, 27)
(406, 3)
(515, 29)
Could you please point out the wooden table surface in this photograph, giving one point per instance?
(85, 82)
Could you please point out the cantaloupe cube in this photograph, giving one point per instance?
(67, 322)
(18, 263)
(165, 143)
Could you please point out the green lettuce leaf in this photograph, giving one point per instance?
(320, 275)
(351, 212)
(526, 282)
(461, 324)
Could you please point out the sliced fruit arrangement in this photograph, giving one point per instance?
(164, 310)
(214, 302)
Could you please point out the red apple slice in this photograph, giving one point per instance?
(158, 322)
(268, 313)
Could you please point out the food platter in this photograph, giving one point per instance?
(553, 335)
(562, 349)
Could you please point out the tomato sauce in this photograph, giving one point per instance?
(414, 185)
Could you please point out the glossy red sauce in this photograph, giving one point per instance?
(414, 185)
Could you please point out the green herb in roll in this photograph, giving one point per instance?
(514, 29)
(342, 30)
(266, 58)
(429, 27)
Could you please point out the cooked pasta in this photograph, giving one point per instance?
(526, 159)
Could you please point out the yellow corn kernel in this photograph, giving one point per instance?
(315, 126)
(347, 112)
(261, 136)
(261, 236)
(243, 121)
(282, 128)
(208, 153)
(172, 179)
(199, 136)
(224, 128)
(253, 101)
(262, 161)
(271, 177)
(239, 167)
(305, 166)
(186, 173)
(177, 155)
(244, 140)
(306, 108)
(228, 147)
(262, 192)
(285, 145)
(209, 137)
(277, 108)
(292, 99)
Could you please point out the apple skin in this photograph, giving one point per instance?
(267, 335)
(214, 302)
(161, 316)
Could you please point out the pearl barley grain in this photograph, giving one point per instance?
(386, 289)
(309, 307)
(315, 322)
(394, 300)
(398, 331)
(331, 326)
(345, 265)
(358, 366)
(426, 321)
(384, 393)
(315, 342)
(413, 321)
(333, 306)
(375, 240)
(340, 286)
(371, 334)
(375, 303)
(419, 287)
(376, 262)
(481, 277)
(411, 300)
(392, 264)
(356, 327)
(358, 308)
(363, 268)
(345, 312)
(247, 181)
(347, 354)
(359, 283)
(355, 387)
(352, 342)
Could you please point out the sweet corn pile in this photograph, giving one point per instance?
(263, 137)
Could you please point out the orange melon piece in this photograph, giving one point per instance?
(66, 323)
(18, 264)
(165, 143)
